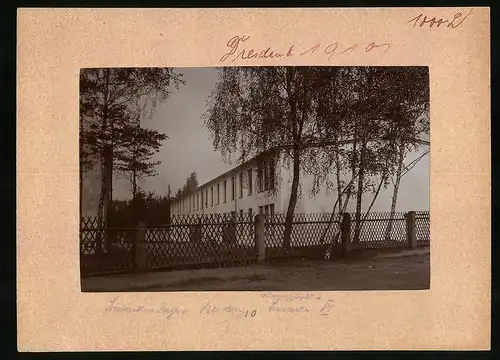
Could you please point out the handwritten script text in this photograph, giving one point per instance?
(422, 20)
(236, 50)
(160, 310)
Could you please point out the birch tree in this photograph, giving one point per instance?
(254, 109)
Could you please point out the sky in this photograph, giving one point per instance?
(189, 148)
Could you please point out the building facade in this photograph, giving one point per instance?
(263, 185)
(255, 186)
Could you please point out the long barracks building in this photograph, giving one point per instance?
(259, 185)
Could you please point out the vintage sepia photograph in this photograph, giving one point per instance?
(274, 178)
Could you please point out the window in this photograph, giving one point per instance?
(266, 210)
(266, 174)
(241, 215)
(260, 174)
(233, 185)
(272, 170)
(197, 201)
(261, 209)
(201, 198)
(206, 197)
(218, 194)
(250, 214)
(250, 182)
(241, 185)
(225, 190)
(271, 209)
(211, 196)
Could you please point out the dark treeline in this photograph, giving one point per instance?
(151, 209)
(148, 207)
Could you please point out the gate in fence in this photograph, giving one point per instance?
(221, 240)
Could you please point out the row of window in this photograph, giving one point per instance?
(205, 198)
(266, 210)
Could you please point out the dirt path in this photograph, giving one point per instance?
(391, 273)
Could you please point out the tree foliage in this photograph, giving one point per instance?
(189, 187)
(111, 101)
(254, 109)
(347, 123)
(148, 207)
(134, 158)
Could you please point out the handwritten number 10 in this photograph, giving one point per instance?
(252, 314)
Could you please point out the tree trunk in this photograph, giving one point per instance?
(293, 199)
(373, 201)
(388, 231)
(135, 219)
(337, 166)
(359, 194)
(104, 200)
(332, 216)
(104, 170)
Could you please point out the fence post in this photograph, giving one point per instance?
(140, 244)
(260, 238)
(346, 233)
(410, 229)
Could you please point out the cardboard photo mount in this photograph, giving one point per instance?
(54, 44)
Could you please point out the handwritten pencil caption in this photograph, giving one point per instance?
(277, 303)
(115, 306)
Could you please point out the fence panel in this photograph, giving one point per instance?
(310, 234)
(422, 227)
(105, 250)
(220, 240)
(189, 241)
(378, 230)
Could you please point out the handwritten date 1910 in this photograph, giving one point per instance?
(457, 20)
